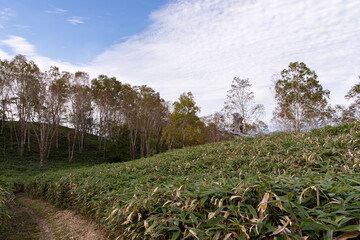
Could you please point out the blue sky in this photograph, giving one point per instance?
(75, 31)
(178, 46)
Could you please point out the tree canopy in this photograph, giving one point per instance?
(185, 127)
(301, 100)
(240, 99)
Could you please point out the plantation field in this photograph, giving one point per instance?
(284, 186)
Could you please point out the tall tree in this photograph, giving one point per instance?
(48, 96)
(106, 92)
(4, 92)
(131, 108)
(301, 100)
(81, 110)
(184, 128)
(22, 74)
(240, 99)
(152, 115)
(59, 96)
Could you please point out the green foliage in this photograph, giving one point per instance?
(300, 97)
(185, 127)
(6, 197)
(59, 154)
(288, 186)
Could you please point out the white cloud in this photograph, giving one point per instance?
(56, 11)
(24, 27)
(19, 45)
(75, 20)
(7, 13)
(200, 45)
(4, 55)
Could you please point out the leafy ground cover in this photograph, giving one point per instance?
(6, 198)
(285, 186)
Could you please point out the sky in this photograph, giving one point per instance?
(177, 46)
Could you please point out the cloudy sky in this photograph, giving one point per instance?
(176, 46)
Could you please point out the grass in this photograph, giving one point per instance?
(285, 186)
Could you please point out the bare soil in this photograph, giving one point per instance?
(36, 219)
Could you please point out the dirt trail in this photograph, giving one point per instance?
(36, 219)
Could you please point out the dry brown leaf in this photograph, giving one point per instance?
(263, 204)
(211, 215)
(347, 235)
(281, 228)
(227, 236)
(227, 214)
(194, 234)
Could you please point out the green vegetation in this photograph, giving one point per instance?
(285, 185)
(5, 199)
(16, 170)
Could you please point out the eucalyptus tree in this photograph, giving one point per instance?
(240, 99)
(301, 100)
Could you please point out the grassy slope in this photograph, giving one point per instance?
(15, 169)
(252, 187)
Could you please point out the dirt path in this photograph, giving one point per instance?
(36, 219)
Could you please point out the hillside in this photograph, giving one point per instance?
(13, 166)
(285, 185)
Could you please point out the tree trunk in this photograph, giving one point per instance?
(42, 156)
(142, 147)
(71, 149)
(49, 149)
(57, 138)
(104, 152)
(11, 137)
(28, 144)
(81, 142)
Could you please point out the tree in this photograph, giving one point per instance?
(240, 99)
(130, 107)
(153, 113)
(80, 111)
(354, 94)
(106, 92)
(185, 127)
(301, 100)
(22, 75)
(59, 96)
(258, 128)
(341, 114)
(47, 97)
(4, 92)
(215, 128)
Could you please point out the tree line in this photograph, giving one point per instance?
(36, 103)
